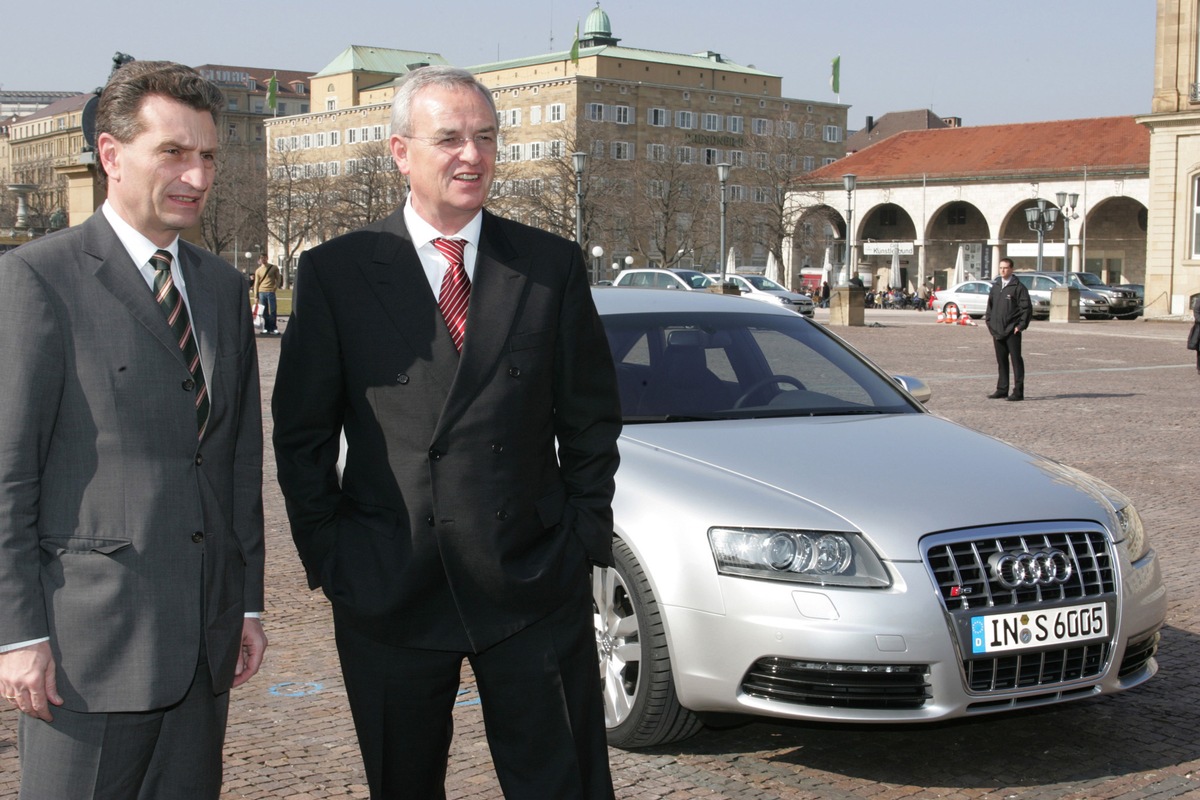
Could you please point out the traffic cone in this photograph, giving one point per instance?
(965, 319)
(941, 316)
(952, 318)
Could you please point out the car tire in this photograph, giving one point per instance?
(950, 308)
(641, 708)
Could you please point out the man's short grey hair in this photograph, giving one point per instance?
(444, 77)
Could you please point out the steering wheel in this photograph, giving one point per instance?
(769, 381)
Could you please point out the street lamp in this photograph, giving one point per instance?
(1067, 204)
(597, 254)
(1041, 219)
(580, 160)
(722, 176)
(849, 180)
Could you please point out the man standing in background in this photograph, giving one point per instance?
(266, 283)
(1009, 311)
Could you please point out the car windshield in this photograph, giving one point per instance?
(697, 280)
(763, 283)
(694, 366)
(1088, 279)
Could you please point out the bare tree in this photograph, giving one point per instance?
(292, 206)
(368, 188)
(229, 222)
(669, 204)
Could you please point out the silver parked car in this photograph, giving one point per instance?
(653, 278)
(971, 297)
(753, 578)
(763, 289)
(1042, 284)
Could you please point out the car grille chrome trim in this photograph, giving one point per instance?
(959, 566)
(832, 685)
(1046, 668)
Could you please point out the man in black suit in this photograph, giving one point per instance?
(1009, 311)
(477, 484)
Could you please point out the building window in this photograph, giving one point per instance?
(333, 168)
(319, 140)
(737, 158)
(377, 133)
(825, 162)
(557, 148)
(595, 112)
(762, 127)
(511, 118)
(514, 152)
(233, 103)
(535, 151)
(733, 124)
(712, 156)
(306, 141)
(810, 163)
(712, 122)
(737, 193)
(599, 148)
(762, 194)
(833, 133)
(656, 152)
(331, 104)
(761, 161)
(887, 215)
(558, 112)
(956, 214)
(657, 117)
(684, 155)
(810, 130)
(685, 119)
(622, 151)
(535, 115)
(335, 138)
(620, 115)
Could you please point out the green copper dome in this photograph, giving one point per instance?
(597, 24)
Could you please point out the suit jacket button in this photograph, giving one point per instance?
(502, 515)
(434, 454)
(197, 537)
(401, 379)
(497, 449)
(189, 385)
(199, 459)
(514, 372)
(430, 521)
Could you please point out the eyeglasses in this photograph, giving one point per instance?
(484, 142)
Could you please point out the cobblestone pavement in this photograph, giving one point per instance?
(1117, 399)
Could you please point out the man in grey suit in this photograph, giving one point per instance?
(463, 357)
(131, 538)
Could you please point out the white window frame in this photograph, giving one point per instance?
(557, 112)
(685, 120)
(711, 121)
(622, 151)
(658, 117)
(832, 133)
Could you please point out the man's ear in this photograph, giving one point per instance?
(398, 146)
(107, 150)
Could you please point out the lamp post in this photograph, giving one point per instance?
(1067, 204)
(1041, 219)
(723, 177)
(597, 254)
(580, 160)
(849, 180)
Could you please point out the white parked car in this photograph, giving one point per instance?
(651, 278)
(760, 287)
(753, 578)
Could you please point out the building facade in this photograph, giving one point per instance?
(952, 202)
(1173, 256)
(653, 125)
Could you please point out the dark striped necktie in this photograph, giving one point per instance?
(171, 302)
(456, 289)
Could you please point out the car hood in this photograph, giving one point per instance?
(893, 477)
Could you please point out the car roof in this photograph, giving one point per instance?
(632, 300)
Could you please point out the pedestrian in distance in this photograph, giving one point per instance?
(1193, 341)
(266, 283)
(131, 527)
(463, 359)
(1008, 313)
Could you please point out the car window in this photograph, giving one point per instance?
(764, 283)
(1044, 284)
(687, 365)
(663, 281)
(625, 280)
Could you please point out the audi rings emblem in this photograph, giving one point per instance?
(1027, 570)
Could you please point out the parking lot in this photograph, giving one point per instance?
(1119, 399)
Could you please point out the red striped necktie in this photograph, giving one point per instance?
(171, 302)
(456, 289)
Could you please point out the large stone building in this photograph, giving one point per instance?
(952, 201)
(1173, 255)
(654, 126)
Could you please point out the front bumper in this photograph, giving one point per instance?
(880, 655)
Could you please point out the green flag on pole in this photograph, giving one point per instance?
(835, 80)
(575, 47)
(272, 90)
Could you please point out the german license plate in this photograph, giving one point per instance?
(1022, 630)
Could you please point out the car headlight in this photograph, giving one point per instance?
(821, 557)
(1129, 528)
(785, 301)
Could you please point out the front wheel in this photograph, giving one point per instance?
(640, 705)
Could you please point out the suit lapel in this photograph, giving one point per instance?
(120, 276)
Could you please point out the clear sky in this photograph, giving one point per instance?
(987, 61)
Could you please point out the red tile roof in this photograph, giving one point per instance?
(1036, 148)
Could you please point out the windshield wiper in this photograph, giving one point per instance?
(633, 420)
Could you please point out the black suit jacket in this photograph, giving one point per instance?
(1008, 308)
(457, 521)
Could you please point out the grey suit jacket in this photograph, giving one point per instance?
(476, 487)
(122, 537)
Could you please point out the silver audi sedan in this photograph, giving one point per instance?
(754, 576)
